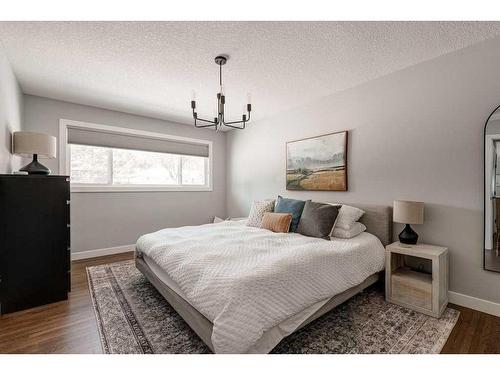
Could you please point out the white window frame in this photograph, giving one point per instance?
(64, 159)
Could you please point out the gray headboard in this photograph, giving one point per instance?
(378, 221)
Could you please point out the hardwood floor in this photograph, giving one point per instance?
(62, 327)
(475, 333)
(70, 326)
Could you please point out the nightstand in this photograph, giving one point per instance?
(420, 291)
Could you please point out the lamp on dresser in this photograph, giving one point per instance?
(408, 212)
(34, 144)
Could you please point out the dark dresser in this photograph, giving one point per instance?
(35, 261)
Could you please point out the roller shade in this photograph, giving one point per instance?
(93, 137)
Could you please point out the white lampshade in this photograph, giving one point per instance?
(408, 212)
(28, 143)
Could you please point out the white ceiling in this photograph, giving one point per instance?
(151, 68)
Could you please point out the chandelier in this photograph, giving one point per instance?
(220, 120)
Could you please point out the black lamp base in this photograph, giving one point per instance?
(408, 236)
(35, 167)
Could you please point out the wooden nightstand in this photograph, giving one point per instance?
(423, 292)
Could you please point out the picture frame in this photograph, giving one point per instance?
(317, 163)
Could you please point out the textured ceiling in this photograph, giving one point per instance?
(152, 68)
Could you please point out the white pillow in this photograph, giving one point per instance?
(356, 229)
(219, 220)
(259, 208)
(348, 215)
(237, 218)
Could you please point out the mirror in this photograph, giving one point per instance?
(492, 192)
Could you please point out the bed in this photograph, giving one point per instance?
(243, 289)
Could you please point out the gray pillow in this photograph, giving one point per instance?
(317, 219)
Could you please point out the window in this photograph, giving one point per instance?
(132, 167)
(89, 165)
(148, 161)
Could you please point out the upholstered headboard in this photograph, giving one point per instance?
(378, 221)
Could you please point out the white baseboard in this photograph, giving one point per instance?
(474, 303)
(102, 252)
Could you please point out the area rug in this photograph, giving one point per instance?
(133, 317)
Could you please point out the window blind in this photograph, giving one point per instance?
(94, 137)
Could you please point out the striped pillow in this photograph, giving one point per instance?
(279, 223)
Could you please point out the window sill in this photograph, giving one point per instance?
(137, 189)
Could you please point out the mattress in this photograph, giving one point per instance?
(255, 286)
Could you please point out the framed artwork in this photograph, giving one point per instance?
(317, 163)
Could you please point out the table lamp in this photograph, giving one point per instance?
(29, 144)
(408, 212)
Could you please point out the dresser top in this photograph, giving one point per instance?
(32, 176)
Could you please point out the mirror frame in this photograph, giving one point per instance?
(484, 190)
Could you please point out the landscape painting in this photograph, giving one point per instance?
(318, 163)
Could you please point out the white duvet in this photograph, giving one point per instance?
(247, 280)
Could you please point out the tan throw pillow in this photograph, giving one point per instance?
(279, 223)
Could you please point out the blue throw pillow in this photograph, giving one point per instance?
(292, 206)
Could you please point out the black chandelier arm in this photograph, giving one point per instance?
(201, 119)
(204, 126)
(244, 121)
(210, 123)
(234, 122)
(195, 116)
(247, 119)
(235, 127)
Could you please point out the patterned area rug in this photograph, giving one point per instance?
(134, 318)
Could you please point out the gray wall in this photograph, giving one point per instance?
(10, 114)
(416, 134)
(101, 220)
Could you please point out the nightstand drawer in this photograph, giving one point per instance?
(412, 288)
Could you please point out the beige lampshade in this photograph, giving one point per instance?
(408, 212)
(28, 143)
